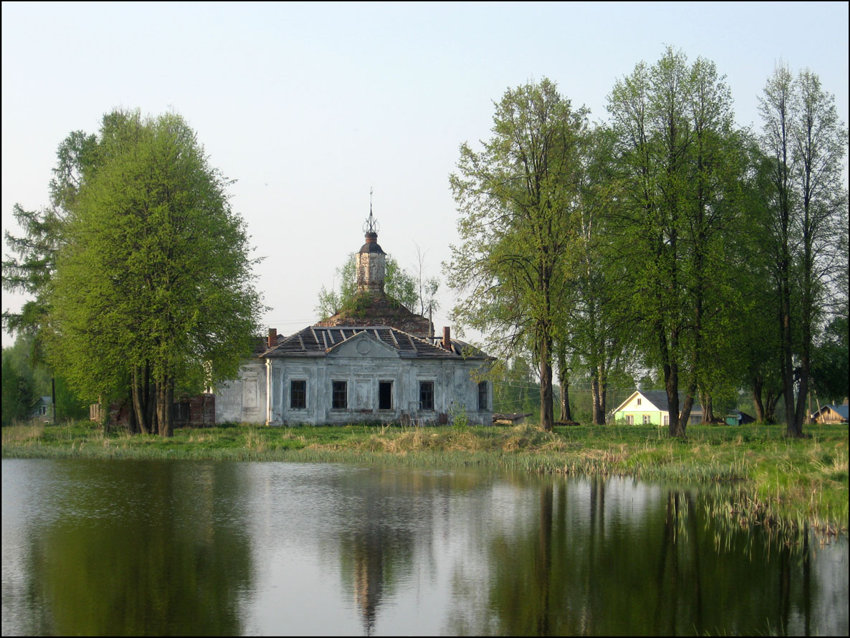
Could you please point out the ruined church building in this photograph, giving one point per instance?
(373, 362)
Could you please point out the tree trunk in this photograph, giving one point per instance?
(547, 416)
(546, 404)
(600, 386)
(671, 384)
(150, 400)
(707, 408)
(132, 420)
(686, 407)
(164, 401)
(770, 404)
(594, 397)
(138, 396)
(566, 413)
(564, 380)
(757, 385)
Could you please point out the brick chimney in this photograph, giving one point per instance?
(447, 338)
(272, 337)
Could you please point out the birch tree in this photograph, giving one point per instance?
(675, 150)
(807, 146)
(516, 198)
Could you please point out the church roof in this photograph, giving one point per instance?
(378, 309)
(317, 341)
(371, 245)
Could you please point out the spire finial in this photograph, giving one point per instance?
(370, 226)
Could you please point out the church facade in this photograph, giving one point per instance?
(373, 362)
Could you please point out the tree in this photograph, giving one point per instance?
(37, 248)
(678, 177)
(593, 327)
(516, 200)
(398, 285)
(830, 375)
(19, 393)
(426, 287)
(153, 285)
(806, 144)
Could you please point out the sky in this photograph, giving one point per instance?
(311, 107)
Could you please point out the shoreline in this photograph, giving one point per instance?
(765, 479)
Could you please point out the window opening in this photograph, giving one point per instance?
(482, 395)
(385, 395)
(339, 398)
(298, 395)
(426, 395)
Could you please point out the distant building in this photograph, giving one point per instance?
(650, 407)
(831, 414)
(374, 362)
(736, 417)
(43, 410)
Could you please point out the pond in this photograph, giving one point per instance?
(211, 548)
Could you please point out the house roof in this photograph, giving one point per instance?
(841, 410)
(317, 341)
(658, 398)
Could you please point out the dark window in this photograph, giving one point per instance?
(339, 400)
(426, 395)
(385, 395)
(482, 395)
(298, 395)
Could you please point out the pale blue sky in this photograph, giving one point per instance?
(310, 105)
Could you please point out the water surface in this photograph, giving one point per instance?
(152, 547)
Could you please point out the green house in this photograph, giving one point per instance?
(650, 407)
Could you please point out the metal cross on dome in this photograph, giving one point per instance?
(371, 224)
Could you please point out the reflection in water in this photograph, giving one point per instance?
(652, 568)
(295, 549)
(120, 552)
(375, 551)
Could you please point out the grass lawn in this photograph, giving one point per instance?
(765, 478)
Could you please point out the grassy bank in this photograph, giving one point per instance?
(766, 478)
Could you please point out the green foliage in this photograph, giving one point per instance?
(517, 199)
(679, 171)
(830, 374)
(399, 286)
(19, 394)
(805, 146)
(154, 269)
(33, 380)
(515, 389)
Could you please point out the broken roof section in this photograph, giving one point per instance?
(318, 341)
(380, 310)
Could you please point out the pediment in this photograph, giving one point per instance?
(363, 345)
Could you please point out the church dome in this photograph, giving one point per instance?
(371, 245)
